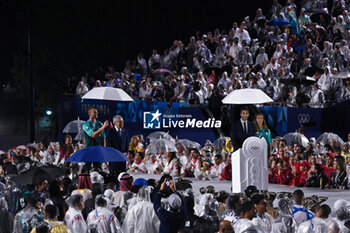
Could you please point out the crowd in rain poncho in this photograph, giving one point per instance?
(310, 39)
(96, 202)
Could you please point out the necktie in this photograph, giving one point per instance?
(245, 126)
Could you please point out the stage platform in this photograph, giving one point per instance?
(332, 195)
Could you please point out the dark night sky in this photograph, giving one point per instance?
(90, 33)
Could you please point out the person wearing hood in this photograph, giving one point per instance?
(74, 219)
(173, 219)
(318, 223)
(126, 182)
(102, 219)
(284, 219)
(141, 218)
(325, 81)
(228, 148)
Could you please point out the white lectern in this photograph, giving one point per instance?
(249, 165)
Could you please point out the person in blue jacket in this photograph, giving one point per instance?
(173, 219)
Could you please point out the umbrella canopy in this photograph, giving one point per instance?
(74, 126)
(160, 135)
(277, 22)
(189, 144)
(35, 174)
(303, 79)
(162, 71)
(2, 152)
(326, 138)
(316, 17)
(107, 93)
(219, 143)
(247, 96)
(97, 154)
(161, 146)
(296, 138)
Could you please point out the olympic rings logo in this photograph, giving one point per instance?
(303, 118)
(254, 148)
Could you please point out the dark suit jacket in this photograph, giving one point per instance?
(238, 135)
(120, 143)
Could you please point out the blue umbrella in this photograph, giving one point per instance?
(97, 154)
(278, 22)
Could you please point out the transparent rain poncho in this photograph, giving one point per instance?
(285, 207)
(208, 211)
(26, 219)
(314, 225)
(102, 219)
(141, 217)
(73, 219)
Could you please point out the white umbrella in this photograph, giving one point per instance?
(247, 96)
(107, 93)
(160, 135)
(189, 144)
(74, 126)
(326, 138)
(298, 138)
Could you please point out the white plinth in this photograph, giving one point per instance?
(249, 165)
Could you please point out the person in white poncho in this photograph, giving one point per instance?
(102, 219)
(318, 223)
(141, 218)
(74, 219)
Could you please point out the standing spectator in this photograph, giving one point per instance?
(74, 219)
(94, 132)
(261, 128)
(174, 219)
(26, 219)
(154, 60)
(102, 219)
(118, 139)
(242, 129)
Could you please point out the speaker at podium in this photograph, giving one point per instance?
(249, 165)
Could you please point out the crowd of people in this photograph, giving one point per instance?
(95, 197)
(299, 56)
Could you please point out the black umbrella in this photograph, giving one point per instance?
(218, 70)
(303, 79)
(35, 174)
(310, 71)
(316, 17)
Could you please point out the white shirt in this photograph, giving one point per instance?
(246, 124)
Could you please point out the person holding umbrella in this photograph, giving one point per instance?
(94, 131)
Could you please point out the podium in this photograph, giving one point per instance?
(249, 165)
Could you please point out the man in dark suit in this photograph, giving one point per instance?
(118, 139)
(242, 129)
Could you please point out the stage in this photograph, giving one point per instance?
(332, 195)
